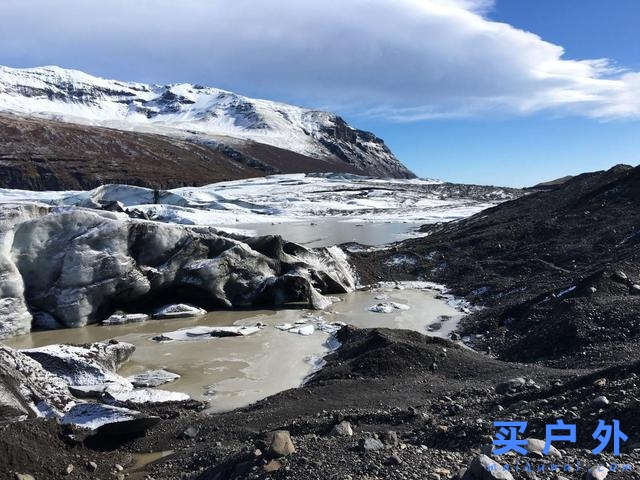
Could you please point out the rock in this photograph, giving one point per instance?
(124, 318)
(69, 469)
(279, 443)
(393, 460)
(109, 420)
(600, 402)
(598, 472)
(620, 276)
(272, 466)
(342, 429)
(75, 264)
(600, 383)
(370, 444)
(28, 390)
(178, 310)
(92, 466)
(118, 467)
(536, 446)
(152, 378)
(483, 468)
(635, 289)
(390, 438)
(511, 386)
(23, 476)
(189, 433)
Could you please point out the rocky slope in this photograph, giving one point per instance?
(207, 126)
(558, 270)
(71, 267)
(388, 404)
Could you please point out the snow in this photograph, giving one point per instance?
(278, 199)
(182, 110)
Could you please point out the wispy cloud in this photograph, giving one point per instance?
(398, 59)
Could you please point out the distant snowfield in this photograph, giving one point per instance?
(282, 199)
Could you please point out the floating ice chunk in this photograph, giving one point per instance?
(202, 332)
(123, 318)
(148, 396)
(153, 378)
(388, 307)
(307, 329)
(179, 310)
(285, 326)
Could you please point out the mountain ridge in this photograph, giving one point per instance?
(195, 113)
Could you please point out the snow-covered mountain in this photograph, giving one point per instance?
(192, 111)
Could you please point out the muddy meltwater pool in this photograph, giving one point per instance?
(232, 372)
(325, 232)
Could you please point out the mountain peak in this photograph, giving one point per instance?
(183, 109)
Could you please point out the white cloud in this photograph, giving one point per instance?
(398, 59)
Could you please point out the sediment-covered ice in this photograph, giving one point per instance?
(78, 266)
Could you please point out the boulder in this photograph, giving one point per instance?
(342, 429)
(535, 447)
(279, 443)
(483, 468)
(598, 472)
(370, 444)
(511, 386)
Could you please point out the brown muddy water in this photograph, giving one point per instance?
(335, 231)
(233, 372)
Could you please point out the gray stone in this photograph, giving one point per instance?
(370, 444)
(279, 443)
(390, 438)
(342, 429)
(512, 385)
(536, 446)
(600, 402)
(23, 476)
(598, 472)
(483, 468)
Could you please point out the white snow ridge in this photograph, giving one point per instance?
(192, 111)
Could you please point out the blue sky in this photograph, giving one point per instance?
(525, 150)
(507, 92)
